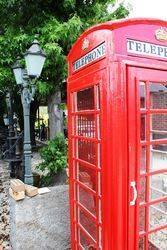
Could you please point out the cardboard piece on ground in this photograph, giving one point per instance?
(43, 190)
(31, 190)
(17, 196)
(17, 185)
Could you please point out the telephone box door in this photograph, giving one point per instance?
(147, 123)
(85, 162)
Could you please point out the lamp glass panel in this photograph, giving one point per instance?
(6, 121)
(34, 64)
(18, 75)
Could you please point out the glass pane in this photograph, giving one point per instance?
(87, 176)
(158, 125)
(143, 127)
(85, 241)
(160, 147)
(158, 157)
(88, 200)
(158, 240)
(142, 189)
(158, 134)
(142, 216)
(158, 186)
(158, 96)
(141, 243)
(87, 151)
(86, 125)
(143, 160)
(85, 99)
(158, 214)
(142, 93)
(88, 224)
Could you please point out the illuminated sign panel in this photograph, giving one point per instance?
(146, 49)
(90, 57)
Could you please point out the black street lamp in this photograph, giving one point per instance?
(26, 79)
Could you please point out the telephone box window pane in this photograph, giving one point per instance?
(158, 186)
(158, 215)
(142, 160)
(86, 125)
(85, 241)
(158, 134)
(88, 224)
(158, 96)
(160, 147)
(142, 190)
(87, 176)
(85, 99)
(87, 151)
(158, 157)
(142, 216)
(143, 127)
(142, 243)
(158, 126)
(158, 240)
(87, 199)
(142, 94)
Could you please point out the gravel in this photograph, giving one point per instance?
(4, 207)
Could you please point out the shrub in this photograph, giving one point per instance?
(54, 157)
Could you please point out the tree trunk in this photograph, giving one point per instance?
(2, 110)
(55, 115)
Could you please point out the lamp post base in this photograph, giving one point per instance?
(28, 179)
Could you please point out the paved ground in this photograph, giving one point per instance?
(4, 206)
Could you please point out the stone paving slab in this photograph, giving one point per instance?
(4, 199)
(41, 222)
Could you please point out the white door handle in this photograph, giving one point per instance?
(133, 185)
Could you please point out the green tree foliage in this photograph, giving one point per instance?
(54, 157)
(58, 24)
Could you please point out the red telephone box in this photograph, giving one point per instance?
(117, 126)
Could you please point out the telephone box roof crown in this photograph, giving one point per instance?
(112, 25)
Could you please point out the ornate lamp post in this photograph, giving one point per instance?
(26, 79)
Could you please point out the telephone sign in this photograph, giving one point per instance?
(145, 48)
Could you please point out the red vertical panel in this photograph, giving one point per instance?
(70, 105)
(141, 235)
(85, 167)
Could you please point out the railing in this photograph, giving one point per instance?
(20, 136)
(3, 136)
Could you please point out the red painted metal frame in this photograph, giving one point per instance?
(144, 75)
(117, 75)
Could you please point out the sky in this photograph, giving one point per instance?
(149, 8)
